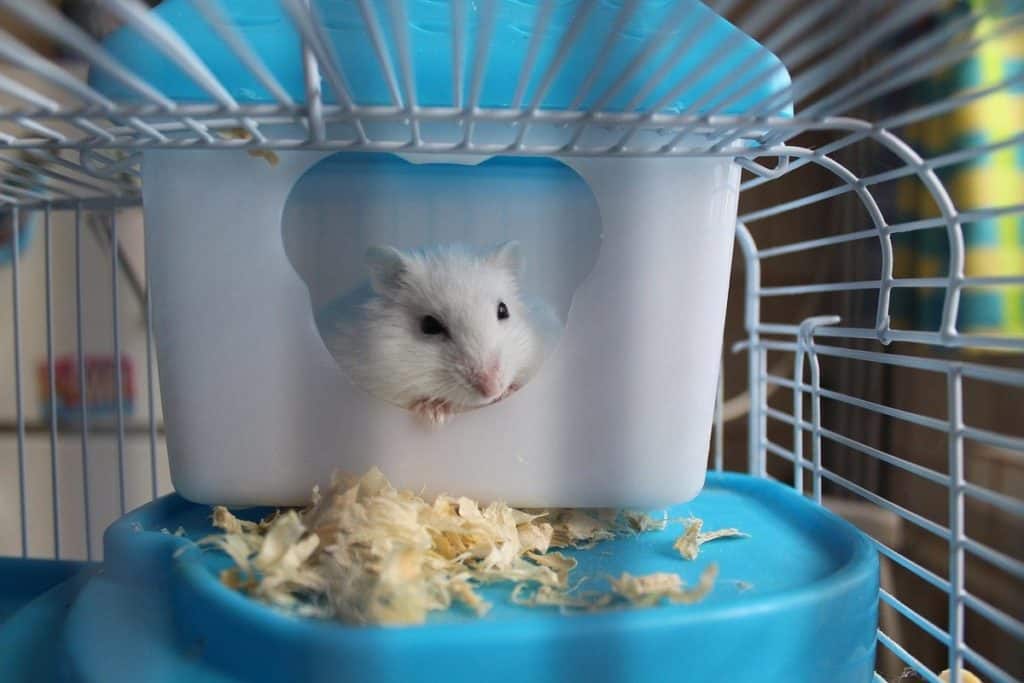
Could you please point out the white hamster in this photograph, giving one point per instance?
(444, 331)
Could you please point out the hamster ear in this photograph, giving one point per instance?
(387, 265)
(509, 256)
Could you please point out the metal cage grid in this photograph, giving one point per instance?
(83, 150)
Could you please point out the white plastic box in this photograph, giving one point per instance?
(257, 410)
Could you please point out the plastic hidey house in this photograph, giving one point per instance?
(627, 243)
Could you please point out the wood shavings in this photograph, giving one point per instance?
(556, 562)
(641, 522)
(579, 529)
(272, 567)
(222, 519)
(366, 553)
(234, 578)
(242, 134)
(464, 593)
(551, 596)
(535, 537)
(965, 676)
(689, 542)
(651, 589)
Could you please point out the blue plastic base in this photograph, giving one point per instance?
(22, 581)
(797, 601)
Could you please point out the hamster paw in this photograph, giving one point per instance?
(512, 388)
(432, 411)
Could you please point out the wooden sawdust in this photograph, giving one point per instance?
(367, 553)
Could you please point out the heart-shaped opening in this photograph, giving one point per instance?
(402, 261)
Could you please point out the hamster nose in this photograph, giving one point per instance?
(487, 383)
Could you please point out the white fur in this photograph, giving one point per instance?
(385, 351)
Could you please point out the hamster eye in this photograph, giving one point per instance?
(431, 325)
(502, 310)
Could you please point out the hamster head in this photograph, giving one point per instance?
(456, 328)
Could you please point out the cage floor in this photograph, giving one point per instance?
(796, 601)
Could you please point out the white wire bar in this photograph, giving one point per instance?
(1011, 625)
(955, 411)
(150, 392)
(907, 658)
(991, 671)
(115, 272)
(912, 616)
(83, 415)
(16, 226)
(159, 34)
(212, 12)
(399, 25)
(51, 385)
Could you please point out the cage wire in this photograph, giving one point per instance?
(902, 170)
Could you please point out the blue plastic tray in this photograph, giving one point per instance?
(152, 614)
(22, 581)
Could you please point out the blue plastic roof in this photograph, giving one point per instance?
(695, 38)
